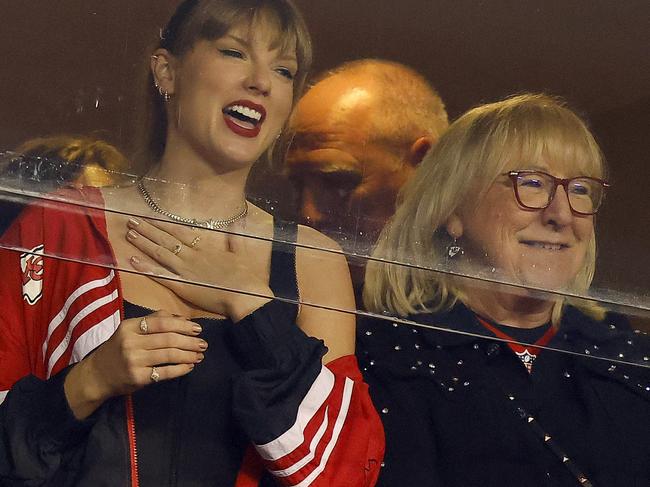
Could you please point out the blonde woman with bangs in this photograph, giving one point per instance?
(502, 209)
(178, 355)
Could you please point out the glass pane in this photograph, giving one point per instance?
(453, 275)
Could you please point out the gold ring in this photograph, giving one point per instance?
(155, 376)
(177, 249)
(144, 328)
(196, 240)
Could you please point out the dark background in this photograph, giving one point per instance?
(75, 66)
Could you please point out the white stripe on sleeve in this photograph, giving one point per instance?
(94, 337)
(60, 316)
(63, 346)
(312, 451)
(294, 436)
(338, 426)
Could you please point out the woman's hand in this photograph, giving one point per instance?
(181, 253)
(142, 350)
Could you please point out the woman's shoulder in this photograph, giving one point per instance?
(313, 239)
(68, 223)
(59, 209)
(319, 258)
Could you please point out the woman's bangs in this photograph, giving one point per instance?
(557, 141)
(285, 32)
(214, 24)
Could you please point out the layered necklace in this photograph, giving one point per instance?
(210, 224)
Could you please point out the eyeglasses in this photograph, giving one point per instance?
(535, 190)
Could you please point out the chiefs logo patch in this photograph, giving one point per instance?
(31, 264)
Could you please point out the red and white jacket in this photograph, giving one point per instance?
(60, 298)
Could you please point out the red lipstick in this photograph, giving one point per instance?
(244, 118)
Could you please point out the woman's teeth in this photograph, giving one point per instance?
(545, 245)
(244, 114)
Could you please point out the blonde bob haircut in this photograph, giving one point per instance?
(476, 149)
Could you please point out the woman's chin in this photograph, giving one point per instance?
(546, 279)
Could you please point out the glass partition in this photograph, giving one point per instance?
(78, 68)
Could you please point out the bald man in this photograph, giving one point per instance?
(358, 135)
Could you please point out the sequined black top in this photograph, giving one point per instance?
(459, 410)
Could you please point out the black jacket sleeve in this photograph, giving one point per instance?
(280, 364)
(40, 438)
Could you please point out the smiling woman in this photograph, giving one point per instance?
(510, 191)
(198, 375)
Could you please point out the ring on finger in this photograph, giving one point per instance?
(144, 327)
(177, 249)
(155, 376)
(194, 243)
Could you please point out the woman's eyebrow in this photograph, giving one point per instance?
(286, 55)
(243, 42)
(535, 167)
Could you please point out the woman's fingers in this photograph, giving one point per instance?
(165, 372)
(172, 356)
(164, 322)
(175, 340)
(167, 257)
(166, 234)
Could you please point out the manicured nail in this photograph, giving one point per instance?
(133, 222)
(203, 345)
(199, 358)
(197, 329)
(134, 260)
(132, 235)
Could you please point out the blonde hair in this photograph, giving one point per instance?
(89, 161)
(469, 157)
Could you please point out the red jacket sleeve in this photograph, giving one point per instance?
(311, 424)
(337, 440)
(16, 285)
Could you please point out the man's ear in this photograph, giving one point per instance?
(454, 226)
(163, 68)
(419, 149)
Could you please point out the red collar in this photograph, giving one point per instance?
(527, 353)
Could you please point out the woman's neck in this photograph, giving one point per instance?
(512, 308)
(186, 184)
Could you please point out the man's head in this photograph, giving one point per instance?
(359, 133)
